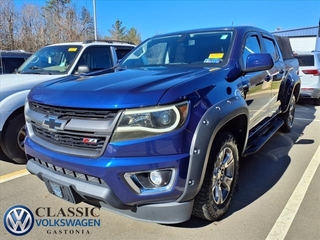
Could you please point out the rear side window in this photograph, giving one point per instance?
(305, 60)
(121, 52)
(271, 48)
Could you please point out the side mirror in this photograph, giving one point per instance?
(255, 62)
(258, 62)
(83, 69)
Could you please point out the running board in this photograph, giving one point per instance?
(259, 139)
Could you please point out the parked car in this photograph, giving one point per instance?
(161, 138)
(12, 60)
(48, 63)
(310, 75)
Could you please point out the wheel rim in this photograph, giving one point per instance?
(223, 176)
(291, 112)
(21, 136)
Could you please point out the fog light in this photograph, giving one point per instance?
(151, 182)
(156, 178)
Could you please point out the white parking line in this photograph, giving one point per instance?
(283, 223)
(14, 175)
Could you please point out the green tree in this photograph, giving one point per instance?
(118, 32)
(55, 12)
(133, 36)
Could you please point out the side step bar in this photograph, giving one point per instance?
(259, 139)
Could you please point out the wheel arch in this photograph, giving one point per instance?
(12, 116)
(11, 107)
(231, 116)
(291, 87)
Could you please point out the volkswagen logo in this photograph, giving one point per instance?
(18, 220)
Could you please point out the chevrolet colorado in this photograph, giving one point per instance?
(161, 138)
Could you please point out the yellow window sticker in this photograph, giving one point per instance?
(72, 49)
(216, 55)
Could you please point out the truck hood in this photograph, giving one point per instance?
(123, 89)
(12, 83)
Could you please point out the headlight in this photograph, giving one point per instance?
(150, 121)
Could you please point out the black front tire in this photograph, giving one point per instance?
(12, 142)
(214, 197)
(288, 116)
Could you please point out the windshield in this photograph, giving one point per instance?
(192, 49)
(51, 60)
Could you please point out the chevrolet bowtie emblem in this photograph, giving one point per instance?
(54, 123)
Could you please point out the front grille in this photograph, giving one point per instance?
(69, 173)
(84, 141)
(72, 112)
(80, 132)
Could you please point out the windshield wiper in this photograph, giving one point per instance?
(42, 71)
(36, 68)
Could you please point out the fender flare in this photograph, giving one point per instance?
(208, 127)
(291, 86)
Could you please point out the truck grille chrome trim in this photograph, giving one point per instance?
(79, 132)
(70, 112)
(70, 140)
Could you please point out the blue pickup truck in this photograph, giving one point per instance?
(160, 139)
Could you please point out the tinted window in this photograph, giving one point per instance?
(270, 45)
(9, 65)
(285, 47)
(121, 52)
(251, 46)
(305, 60)
(96, 58)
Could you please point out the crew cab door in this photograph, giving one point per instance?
(276, 74)
(256, 85)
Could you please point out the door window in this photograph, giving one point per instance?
(96, 58)
(252, 45)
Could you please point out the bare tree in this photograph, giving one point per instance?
(31, 26)
(87, 25)
(7, 24)
(55, 13)
(31, 29)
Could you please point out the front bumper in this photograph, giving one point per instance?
(100, 194)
